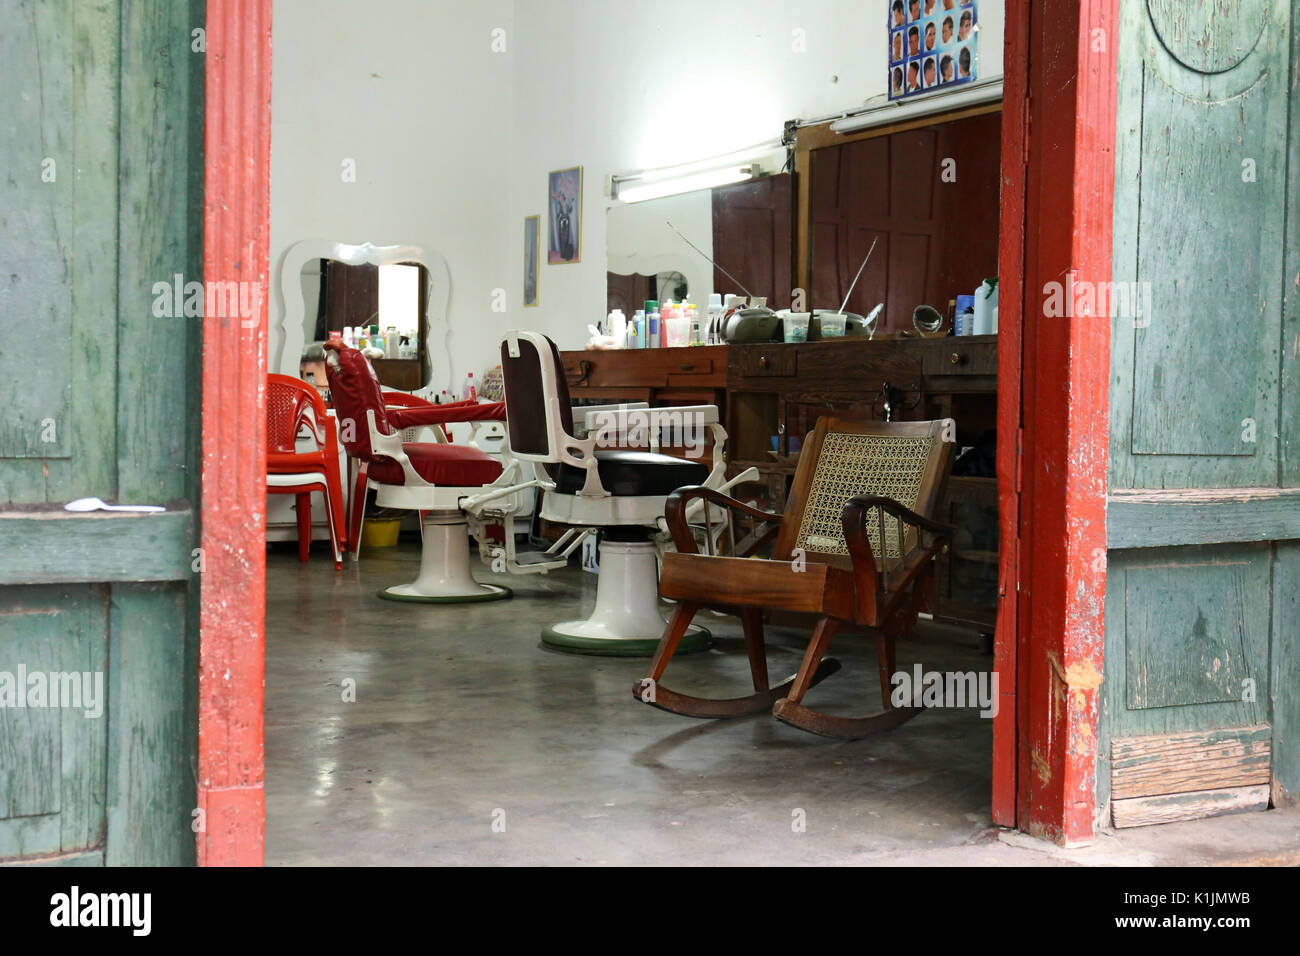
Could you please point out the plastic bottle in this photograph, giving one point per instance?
(633, 329)
(715, 318)
(616, 326)
(469, 392)
(651, 339)
(693, 315)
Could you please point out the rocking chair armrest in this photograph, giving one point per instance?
(675, 513)
(871, 575)
(856, 507)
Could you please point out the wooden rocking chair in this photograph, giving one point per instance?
(856, 545)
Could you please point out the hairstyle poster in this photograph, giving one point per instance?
(932, 45)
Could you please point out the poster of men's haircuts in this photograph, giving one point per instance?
(932, 45)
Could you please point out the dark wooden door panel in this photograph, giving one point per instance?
(753, 238)
(928, 197)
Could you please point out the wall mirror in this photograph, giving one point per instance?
(326, 286)
(745, 227)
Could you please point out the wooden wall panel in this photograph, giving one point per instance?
(753, 235)
(929, 195)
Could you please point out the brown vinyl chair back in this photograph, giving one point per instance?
(906, 461)
(539, 414)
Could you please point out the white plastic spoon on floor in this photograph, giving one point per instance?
(95, 504)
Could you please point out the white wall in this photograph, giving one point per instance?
(410, 90)
(453, 142)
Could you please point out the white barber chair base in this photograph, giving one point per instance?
(444, 567)
(626, 621)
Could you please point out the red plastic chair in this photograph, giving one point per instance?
(291, 405)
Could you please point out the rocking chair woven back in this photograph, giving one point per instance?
(905, 461)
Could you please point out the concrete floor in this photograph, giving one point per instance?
(461, 718)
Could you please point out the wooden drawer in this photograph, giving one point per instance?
(764, 361)
(957, 355)
(647, 368)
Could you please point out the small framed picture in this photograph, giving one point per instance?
(532, 252)
(564, 205)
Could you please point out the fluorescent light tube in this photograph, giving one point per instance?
(939, 102)
(684, 184)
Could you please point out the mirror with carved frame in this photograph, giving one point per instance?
(326, 286)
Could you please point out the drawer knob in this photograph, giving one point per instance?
(957, 358)
(686, 366)
(763, 362)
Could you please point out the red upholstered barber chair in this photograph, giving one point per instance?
(432, 478)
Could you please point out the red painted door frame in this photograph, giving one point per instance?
(1058, 167)
(236, 247)
(1057, 191)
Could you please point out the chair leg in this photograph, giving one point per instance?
(886, 663)
(817, 647)
(357, 511)
(650, 691)
(337, 514)
(673, 634)
(751, 618)
(304, 525)
(334, 512)
(792, 712)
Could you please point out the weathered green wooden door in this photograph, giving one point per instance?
(1201, 700)
(100, 197)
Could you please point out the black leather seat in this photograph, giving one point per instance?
(634, 473)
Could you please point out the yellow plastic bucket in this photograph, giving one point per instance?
(380, 532)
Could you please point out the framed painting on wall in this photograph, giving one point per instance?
(931, 45)
(565, 216)
(532, 242)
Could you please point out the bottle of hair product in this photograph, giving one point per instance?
(617, 328)
(651, 337)
(715, 318)
(469, 392)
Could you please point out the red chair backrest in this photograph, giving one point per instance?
(354, 390)
(287, 401)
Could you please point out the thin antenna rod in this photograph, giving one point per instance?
(859, 275)
(714, 264)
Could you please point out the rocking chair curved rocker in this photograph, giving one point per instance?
(856, 546)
